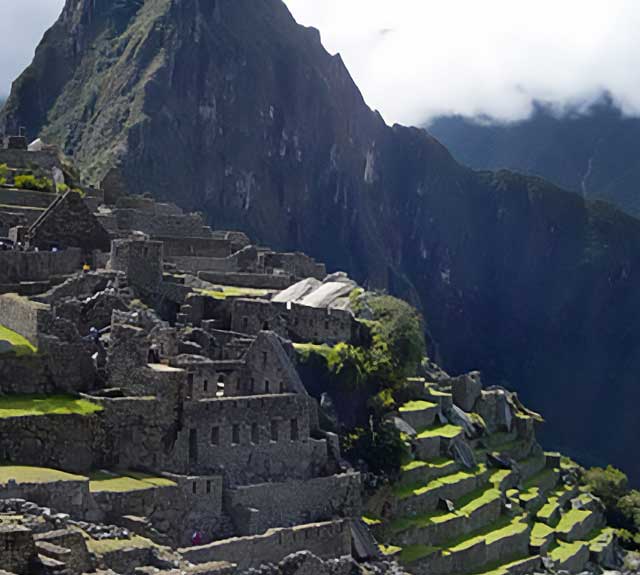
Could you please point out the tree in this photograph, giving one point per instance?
(629, 506)
(608, 484)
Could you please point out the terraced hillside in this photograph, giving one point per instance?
(479, 495)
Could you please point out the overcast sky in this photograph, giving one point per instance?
(417, 58)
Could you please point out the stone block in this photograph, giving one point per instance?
(466, 390)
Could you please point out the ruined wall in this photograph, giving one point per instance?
(326, 540)
(65, 442)
(16, 267)
(251, 316)
(196, 247)
(43, 161)
(29, 198)
(250, 280)
(25, 317)
(142, 261)
(18, 549)
(249, 440)
(70, 496)
(295, 502)
(161, 225)
(317, 325)
(296, 264)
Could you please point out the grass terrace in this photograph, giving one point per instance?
(21, 474)
(31, 405)
(540, 534)
(412, 553)
(447, 431)
(405, 491)
(104, 546)
(503, 527)
(20, 345)
(416, 406)
(104, 481)
(232, 291)
(565, 551)
(572, 518)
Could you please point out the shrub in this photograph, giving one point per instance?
(608, 484)
(30, 182)
(379, 445)
(629, 506)
(4, 172)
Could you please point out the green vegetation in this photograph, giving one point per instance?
(232, 291)
(572, 518)
(29, 405)
(503, 527)
(21, 345)
(104, 546)
(380, 446)
(4, 172)
(389, 550)
(105, 481)
(412, 553)
(608, 484)
(448, 431)
(30, 182)
(405, 491)
(565, 551)
(21, 474)
(416, 406)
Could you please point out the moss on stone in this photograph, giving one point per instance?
(417, 406)
(446, 431)
(31, 405)
(20, 345)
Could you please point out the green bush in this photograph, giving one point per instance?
(608, 484)
(30, 182)
(379, 445)
(629, 506)
(4, 172)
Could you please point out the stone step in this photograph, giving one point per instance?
(571, 557)
(433, 442)
(577, 524)
(420, 471)
(419, 414)
(51, 566)
(53, 551)
(524, 566)
(421, 499)
(472, 513)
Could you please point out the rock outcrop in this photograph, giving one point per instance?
(231, 108)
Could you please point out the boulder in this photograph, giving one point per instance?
(466, 389)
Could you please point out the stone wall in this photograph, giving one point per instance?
(70, 496)
(296, 264)
(65, 442)
(326, 540)
(142, 261)
(67, 223)
(249, 440)
(251, 316)
(26, 317)
(197, 247)
(318, 325)
(43, 161)
(23, 375)
(16, 267)
(18, 550)
(161, 225)
(16, 197)
(250, 280)
(294, 502)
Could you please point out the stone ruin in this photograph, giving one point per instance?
(164, 427)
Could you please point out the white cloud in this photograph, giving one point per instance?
(22, 24)
(414, 59)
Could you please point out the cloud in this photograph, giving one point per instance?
(22, 24)
(414, 59)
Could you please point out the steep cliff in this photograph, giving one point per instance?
(230, 107)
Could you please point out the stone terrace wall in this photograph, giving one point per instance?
(181, 226)
(45, 160)
(296, 502)
(326, 540)
(64, 442)
(28, 318)
(16, 197)
(260, 281)
(23, 375)
(196, 247)
(70, 496)
(250, 440)
(16, 267)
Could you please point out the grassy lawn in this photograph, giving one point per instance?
(21, 346)
(104, 481)
(27, 405)
(571, 518)
(434, 464)
(232, 291)
(417, 406)
(34, 475)
(447, 431)
(503, 527)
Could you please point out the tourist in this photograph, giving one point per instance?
(196, 538)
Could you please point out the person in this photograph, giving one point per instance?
(196, 538)
(86, 267)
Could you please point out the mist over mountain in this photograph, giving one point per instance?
(591, 150)
(230, 107)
